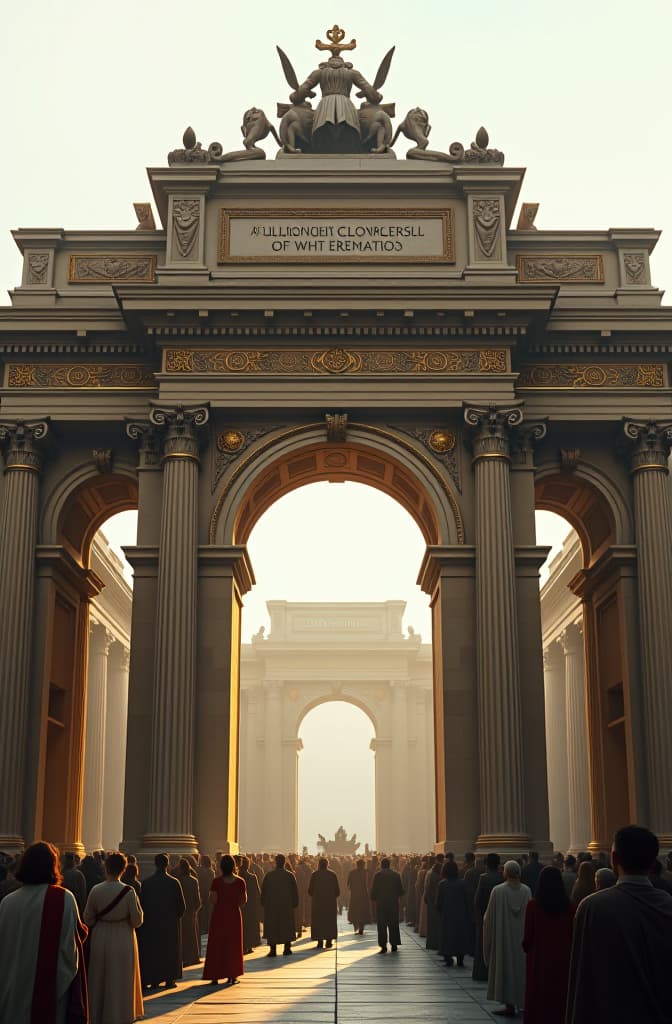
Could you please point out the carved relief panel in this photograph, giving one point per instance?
(634, 268)
(38, 268)
(487, 229)
(186, 234)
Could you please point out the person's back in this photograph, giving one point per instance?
(622, 949)
(160, 937)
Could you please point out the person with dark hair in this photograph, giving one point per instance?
(113, 913)
(130, 877)
(74, 880)
(455, 915)
(251, 910)
(160, 938)
(191, 937)
(622, 949)
(324, 891)
(432, 879)
(224, 955)
(386, 894)
(547, 941)
(359, 903)
(569, 874)
(206, 875)
(585, 882)
(529, 876)
(279, 899)
(41, 954)
(491, 877)
(8, 882)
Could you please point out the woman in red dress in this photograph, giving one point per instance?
(224, 955)
(547, 941)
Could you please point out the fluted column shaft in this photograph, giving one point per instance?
(274, 767)
(577, 740)
(17, 572)
(115, 746)
(556, 745)
(653, 523)
(172, 764)
(500, 739)
(94, 750)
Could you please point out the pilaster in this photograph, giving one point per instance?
(96, 720)
(556, 745)
(577, 740)
(115, 745)
(17, 561)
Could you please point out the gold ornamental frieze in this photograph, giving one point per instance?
(345, 235)
(119, 268)
(584, 376)
(561, 269)
(335, 361)
(78, 376)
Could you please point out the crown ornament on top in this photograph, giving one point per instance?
(335, 35)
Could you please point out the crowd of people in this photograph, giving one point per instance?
(581, 939)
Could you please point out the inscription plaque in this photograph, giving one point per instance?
(270, 236)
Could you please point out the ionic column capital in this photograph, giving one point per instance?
(649, 445)
(149, 454)
(491, 428)
(21, 452)
(180, 440)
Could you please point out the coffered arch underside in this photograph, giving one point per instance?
(371, 455)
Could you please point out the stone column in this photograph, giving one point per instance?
(577, 740)
(556, 745)
(94, 748)
(291, 746)
(115, 746)
(273, 816)
(401, 838)
(172, 758)
(500, 739)
(653, 524)
(17, 576)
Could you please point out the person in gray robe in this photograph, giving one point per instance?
(359, 903)
(432, 880)
(324, 891)
(191, 936)
(622, 949)
(491, 877)
(160, 938)
(251, 910)
(503, 929)
(386, 893)
(279, 899)
(455, 915)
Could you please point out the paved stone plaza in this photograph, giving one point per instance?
(347, 985)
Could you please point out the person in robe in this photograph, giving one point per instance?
(130, 877)
(92, 870)
(112, 914)
(191, 936)
(491, 877)
(585, 882)
(251, 909)
(432, 879)
(324, 890)
(74, 881)
(224, 955)
(41, 956)
(547, 941)
(420, 897)
(359, 903)
(408, 877)
(160, 938)
(569, 874)
(386, 894)
(529, 875)
(279, 898)
(503, 927)
(455, 914)
(471, 877)
(303, 876)
(467, 863)
(622, 949)
(206, 876)
(604, 879)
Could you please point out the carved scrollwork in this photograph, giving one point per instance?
(38, 264)
(491, 429)
(442, 445)
(635, 267)
(650, 444)
(337, 427)
(181, 422)
(19, 438)
(230, 445)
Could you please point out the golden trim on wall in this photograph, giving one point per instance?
(446, 215)
(582, 376)
(112, 268)
(561, 268)
(335, 361)
(79, 376)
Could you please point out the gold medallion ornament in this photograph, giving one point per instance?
(441, 441)
(230, 441)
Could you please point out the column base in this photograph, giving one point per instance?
(595, 846)
(457, 846)
(664, 841)
(503, 842)
(12, 844)
(168, 842)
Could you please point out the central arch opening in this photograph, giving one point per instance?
(337, 749)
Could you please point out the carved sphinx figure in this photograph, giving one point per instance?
(254, 128)
(416, 127)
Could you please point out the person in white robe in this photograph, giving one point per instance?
(503, 927)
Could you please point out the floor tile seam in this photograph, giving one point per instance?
(415, 939)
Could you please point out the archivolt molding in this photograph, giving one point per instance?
(379, 439)
(310, 702)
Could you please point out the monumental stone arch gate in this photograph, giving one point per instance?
(335, 313)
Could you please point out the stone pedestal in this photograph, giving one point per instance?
(653, 522)
(17, 569)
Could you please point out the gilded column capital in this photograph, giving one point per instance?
(21, 452)
(649, 445)
(491, 428)
(180, 440)
(149, 454)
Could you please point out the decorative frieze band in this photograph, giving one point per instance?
(335, 361)
(78, 376)
(592, 375)
(112, 269)
(563, 269)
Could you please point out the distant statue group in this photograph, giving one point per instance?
(340, 845)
